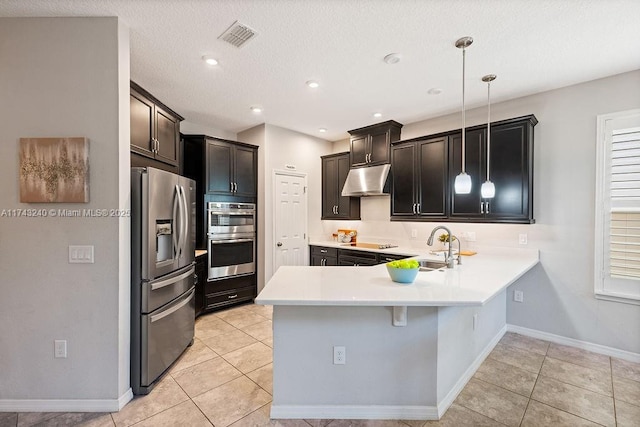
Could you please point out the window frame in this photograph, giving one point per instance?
(603, 206)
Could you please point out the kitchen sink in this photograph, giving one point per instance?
(430, 265)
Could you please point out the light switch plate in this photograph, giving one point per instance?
(81, 254)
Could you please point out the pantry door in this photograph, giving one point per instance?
(290, 219)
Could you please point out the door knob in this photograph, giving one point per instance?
(279, 244)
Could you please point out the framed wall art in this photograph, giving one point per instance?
(54, 170)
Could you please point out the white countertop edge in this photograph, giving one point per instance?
(478, 280)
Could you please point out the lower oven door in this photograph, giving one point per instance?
(231, 257)
(166, 333)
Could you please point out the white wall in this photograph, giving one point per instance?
(280, 147)
(558, 293)
(65, 77)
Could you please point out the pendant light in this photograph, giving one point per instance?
(463, 181)
(488, 189)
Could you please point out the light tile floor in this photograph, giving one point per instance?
(225, 379)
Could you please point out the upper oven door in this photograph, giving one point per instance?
(230, 218)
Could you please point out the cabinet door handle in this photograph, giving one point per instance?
(481, 207)
(232, 296)
(323, 251)
(235, 187)
(231, 185)
(414, 208)
(486, 208)
(418, 208)
(323, 262)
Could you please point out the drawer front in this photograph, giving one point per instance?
(355, 261)
(384, 258)
(230, 297)
(229, 284)
(167, 332)
(324, 251)
(361, 255)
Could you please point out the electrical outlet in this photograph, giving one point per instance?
(522, 239)
(414, 233)
(518, 296)
(339, 355)
(60, 349)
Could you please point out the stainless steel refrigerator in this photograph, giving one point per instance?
(162, 272)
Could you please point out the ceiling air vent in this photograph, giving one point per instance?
(238, 34)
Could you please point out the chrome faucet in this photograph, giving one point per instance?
(449, 259)
(453, 237)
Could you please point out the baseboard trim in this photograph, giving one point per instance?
(444, 404)
(65, 405)
(571, 342)
(354, 412)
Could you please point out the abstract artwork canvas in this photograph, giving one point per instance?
(54, 170)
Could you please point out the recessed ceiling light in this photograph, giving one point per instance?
(392, 58)
(256, 109)
(313, 84)
(377, 115)
(210, 60)
(322, 130)
(434, 91)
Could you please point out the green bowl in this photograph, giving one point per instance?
(403, 275)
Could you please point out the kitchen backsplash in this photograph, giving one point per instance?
(376, 227)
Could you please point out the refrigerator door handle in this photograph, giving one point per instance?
(171, 281)
(161, 315)
(180, 226)
(185, 220)
(176, 207)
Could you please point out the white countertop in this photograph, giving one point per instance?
(476, 281)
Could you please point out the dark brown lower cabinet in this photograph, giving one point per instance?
(222, 293)
(325, 256)
(322, 256)
(201, 280)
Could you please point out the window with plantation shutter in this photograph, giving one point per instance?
(617, 239)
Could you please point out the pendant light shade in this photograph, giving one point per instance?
(463, 181)
(488, 189)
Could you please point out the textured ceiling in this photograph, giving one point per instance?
(532, 46)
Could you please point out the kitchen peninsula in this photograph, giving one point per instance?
(409, 349)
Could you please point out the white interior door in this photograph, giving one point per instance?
(290, 219)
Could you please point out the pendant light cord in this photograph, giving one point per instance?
(463, 121)
(488, 126)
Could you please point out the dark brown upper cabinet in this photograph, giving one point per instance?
(231, 168)
(371, 145)
(420, 173)
(423, 175)
(155, 128)
(335, 168)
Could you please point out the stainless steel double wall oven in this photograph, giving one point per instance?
(231, 239)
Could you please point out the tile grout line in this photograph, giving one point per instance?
(613, 393)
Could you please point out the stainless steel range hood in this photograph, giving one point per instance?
(367, 181)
